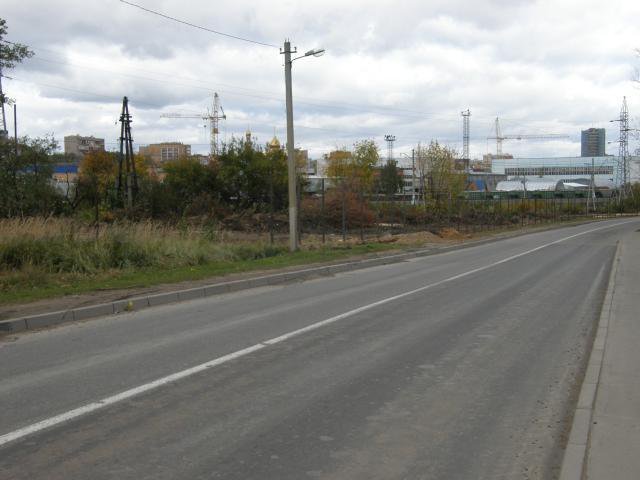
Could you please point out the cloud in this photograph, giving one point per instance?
(408, 69)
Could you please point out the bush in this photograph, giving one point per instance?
(358, 211)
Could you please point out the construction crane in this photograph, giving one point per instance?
(499, 137)
(212, 116)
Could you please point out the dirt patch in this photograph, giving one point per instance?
(420, 239)
(452, 234)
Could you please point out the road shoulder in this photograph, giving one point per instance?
(605, 436)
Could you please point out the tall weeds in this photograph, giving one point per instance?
(55, 245)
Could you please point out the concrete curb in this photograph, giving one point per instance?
(575, 455)
(44, 320)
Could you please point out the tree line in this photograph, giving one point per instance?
(245, 176)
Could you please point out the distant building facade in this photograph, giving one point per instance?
(312, 168)
(559, 168)
(79, 146)
(593, 142)
(160, 153)
(64, 177)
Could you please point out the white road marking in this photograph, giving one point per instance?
(127, 394)
(105, 402)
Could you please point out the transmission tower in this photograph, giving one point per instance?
(390, 139)
(465, 134)
(622, 167)
(213, 116)
(127, 181)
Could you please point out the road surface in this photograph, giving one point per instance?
(463, 365)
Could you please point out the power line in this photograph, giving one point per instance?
(83, 92)
(168, 17)
(266, 95)
(398, 112)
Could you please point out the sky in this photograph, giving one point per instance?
(405, 68)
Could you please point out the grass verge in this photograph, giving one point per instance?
(30, 284)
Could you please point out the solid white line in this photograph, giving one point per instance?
(105, 402)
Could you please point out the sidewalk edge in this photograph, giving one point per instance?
(575, 456)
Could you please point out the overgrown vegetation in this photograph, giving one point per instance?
(40, 257)
(57, 246)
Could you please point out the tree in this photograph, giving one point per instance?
(25, 179)
(366, 158)
(338, 164)
(248, 174)
(421, 162)
(10, 54)
(390, 180)
(97, 179)
(187, 179)
(354, 170)
(444, 182)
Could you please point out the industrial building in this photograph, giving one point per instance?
(566, 169)
(559, 168)
(593, 141)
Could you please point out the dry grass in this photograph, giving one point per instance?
(38, 227)
(55, 245)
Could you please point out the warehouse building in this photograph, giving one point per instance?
(566, 169)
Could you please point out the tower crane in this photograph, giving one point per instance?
(499, 137)
(212, 116)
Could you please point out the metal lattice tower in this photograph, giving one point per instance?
(622, 168)
(390, 139)
(127, 181)
(498, 138)
(213, 116)
(214, 120)
(465, 134)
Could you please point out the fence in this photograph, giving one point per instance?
(355, 217)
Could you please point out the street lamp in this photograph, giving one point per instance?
(291, 162)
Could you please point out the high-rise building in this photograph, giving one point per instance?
(165, 152)
(79, 146)
(593, 142)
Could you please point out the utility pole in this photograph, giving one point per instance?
(291, 158)
(413, 176)
(3, 132)
(15, 128)
(291, 161)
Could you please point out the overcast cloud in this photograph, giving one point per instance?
(404, 68)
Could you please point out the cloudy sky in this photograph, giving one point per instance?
(406, 68)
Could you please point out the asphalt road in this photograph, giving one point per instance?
(460, 365)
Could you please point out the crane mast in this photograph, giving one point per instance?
(213, 117)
